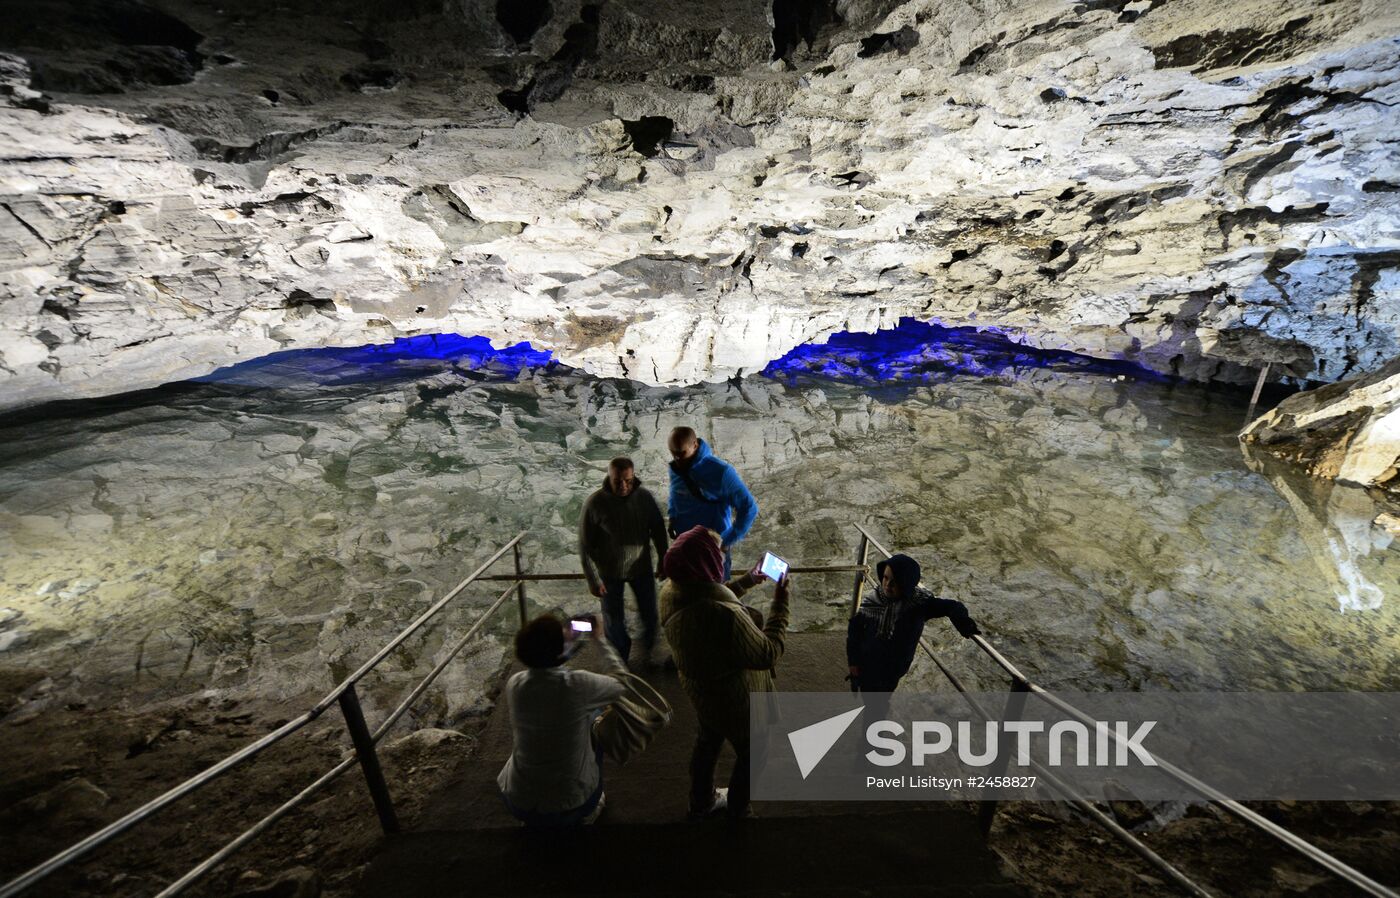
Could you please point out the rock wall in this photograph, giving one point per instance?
(675, 192)
(1346, 431)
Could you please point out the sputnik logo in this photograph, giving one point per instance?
(811, 743)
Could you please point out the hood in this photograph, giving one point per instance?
(694, 557)
(905, 572)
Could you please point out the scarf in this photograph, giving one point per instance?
(906, 573)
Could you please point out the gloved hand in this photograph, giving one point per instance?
(854, 678)
(967, 627)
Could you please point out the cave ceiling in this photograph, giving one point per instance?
(682, 191)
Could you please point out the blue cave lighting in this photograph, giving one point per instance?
(915, 351)
(405, 357)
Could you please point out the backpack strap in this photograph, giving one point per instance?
(690, 484)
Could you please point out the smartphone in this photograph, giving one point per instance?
(773, 567)
(581, 626)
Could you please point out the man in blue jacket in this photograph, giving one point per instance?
(707, 491)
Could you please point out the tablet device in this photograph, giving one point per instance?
(773, 567)
(581, 626)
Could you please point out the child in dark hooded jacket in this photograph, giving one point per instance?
(883, 635)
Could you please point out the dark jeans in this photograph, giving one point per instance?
(876, 699)
(615, 618)
(703, 760)
(571, 817)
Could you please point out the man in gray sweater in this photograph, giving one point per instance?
(619, 526)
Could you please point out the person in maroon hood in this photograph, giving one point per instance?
(725, 652)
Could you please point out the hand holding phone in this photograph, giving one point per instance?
(772, 567)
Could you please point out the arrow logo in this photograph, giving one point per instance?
(811, 743)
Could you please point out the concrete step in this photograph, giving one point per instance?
(928, 853)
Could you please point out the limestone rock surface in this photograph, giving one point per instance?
(1346, 431)
(677, 192)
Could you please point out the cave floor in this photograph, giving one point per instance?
(465, 842)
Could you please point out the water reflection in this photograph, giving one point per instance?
(266, 532)
(1336, 521)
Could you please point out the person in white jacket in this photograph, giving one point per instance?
(553, 777)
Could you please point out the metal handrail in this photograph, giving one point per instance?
(117, 827)
(264, 824)
(795, 569)
(255, 830)
(1258, 821)
(412, 628)
(343, 691)
(427, 681)
(1085, 807)
(1293, 841)
(111, 830)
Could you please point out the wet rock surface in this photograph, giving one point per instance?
(1056, 852)
(1347, 431)
(69, 771)
(674, 193)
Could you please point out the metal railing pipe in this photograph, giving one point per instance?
(1015, 707)
(427, 681)
(369, 760)
(531, 577)
(796, 569)
(1136, 845)
(255, 830)
(1295, 842)
(117, 827)
(1260, 822)
(334, 695)
(858, 587)
(1001, 660)
(520, 587)
(264, 824)
(874, 542)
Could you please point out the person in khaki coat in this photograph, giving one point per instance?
(723, 654)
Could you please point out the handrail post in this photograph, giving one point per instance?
(858, 588)
(1254, 399)
(520, 588)
(369, 759)
(1015, 708)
